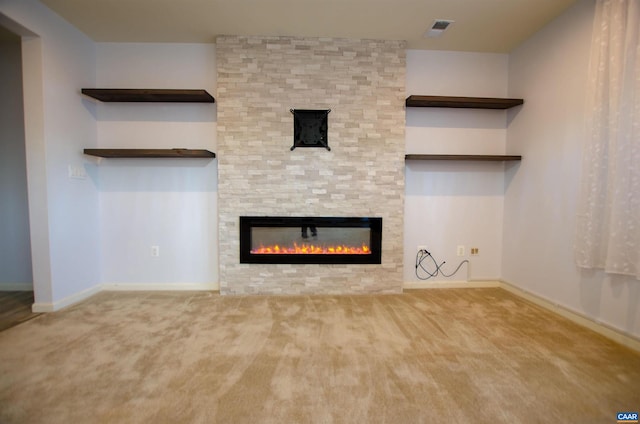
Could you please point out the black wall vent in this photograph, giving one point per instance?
(310, 128)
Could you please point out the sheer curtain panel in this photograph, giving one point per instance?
(608, 230)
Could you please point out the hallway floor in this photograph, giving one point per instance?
(15, 308)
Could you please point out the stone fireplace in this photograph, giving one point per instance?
(260, 80)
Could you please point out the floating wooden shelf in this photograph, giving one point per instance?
(495, 158)
(150, 153)
(149, 95)
(462, 102)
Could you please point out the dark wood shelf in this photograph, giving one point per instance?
(148, 95)
(494, 158)
(462, 102)
(150, 153)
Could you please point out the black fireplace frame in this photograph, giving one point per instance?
(375, 243)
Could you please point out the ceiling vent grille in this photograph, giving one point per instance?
(438, 27)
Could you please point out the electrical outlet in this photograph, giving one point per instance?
(155, 251)
(460, 250)
(421, 247)
(475, 251)
(77, 172)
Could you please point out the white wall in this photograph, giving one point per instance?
(549, 71)
(57, 62)
(455, 203)
(170, 203)
(15, 248)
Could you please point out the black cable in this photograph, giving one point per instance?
(422, 255)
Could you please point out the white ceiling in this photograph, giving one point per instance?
(480, 25)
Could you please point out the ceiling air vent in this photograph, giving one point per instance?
(438, 27)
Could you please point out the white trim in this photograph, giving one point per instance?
(67, 301)
(16, 286)
(161, 286)
(409, 285)
(603, 329)
(85, 294)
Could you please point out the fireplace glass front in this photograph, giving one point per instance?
(310, 240)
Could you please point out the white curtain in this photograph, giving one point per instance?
(608, 233)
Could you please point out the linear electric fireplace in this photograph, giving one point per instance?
(310, 240)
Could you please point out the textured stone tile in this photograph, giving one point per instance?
(362, 82)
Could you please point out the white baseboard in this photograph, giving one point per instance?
(85, 294)
(409, 285)
(161, 286)
(611, 333)
(67, 301)
(16, 286)
(614, 334)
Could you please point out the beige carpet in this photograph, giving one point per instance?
(432, 356)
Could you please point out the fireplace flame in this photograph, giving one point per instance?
(311, 249)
